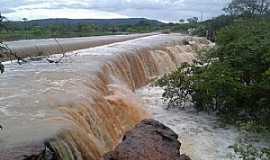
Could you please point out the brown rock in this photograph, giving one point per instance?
(149, 140)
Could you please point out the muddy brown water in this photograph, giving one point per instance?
(85, 104)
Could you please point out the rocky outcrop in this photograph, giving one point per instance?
(149, 140)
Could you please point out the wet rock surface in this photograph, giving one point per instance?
(149, 140)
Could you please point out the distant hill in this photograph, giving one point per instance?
(103, 22)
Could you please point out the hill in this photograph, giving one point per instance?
(100, 22)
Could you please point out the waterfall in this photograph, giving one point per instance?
(89, 102)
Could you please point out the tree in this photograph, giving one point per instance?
(248, 7)
(181, 21)
(231, 79)
(193, 20)
(37, 31)
(2, 22)
(25, 26)
(86, 28)
(25, 19)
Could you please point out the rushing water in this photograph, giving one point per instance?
(199, 133)
(82, 107)
(202, 135)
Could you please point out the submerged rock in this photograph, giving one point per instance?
(149, 140)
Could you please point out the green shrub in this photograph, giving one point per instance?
(250, 152)
(231, 79)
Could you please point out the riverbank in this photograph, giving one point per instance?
(202, 135)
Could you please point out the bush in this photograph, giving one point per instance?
(232, 79)
(177, 86)
(249, 152)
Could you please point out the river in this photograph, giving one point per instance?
(202, 135)
(81, 107)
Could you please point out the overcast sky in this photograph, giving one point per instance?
(163, 10)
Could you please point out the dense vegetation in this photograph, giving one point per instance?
(57, 28)
(249, 152)
(233, 78)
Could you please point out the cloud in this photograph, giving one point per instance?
(165, 10)
(62, 13)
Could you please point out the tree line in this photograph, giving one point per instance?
(16, 31)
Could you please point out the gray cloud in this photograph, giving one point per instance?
(166, 10)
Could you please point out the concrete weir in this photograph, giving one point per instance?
(45, 47)
(80, 108)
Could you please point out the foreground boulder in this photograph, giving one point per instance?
(149, 140)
